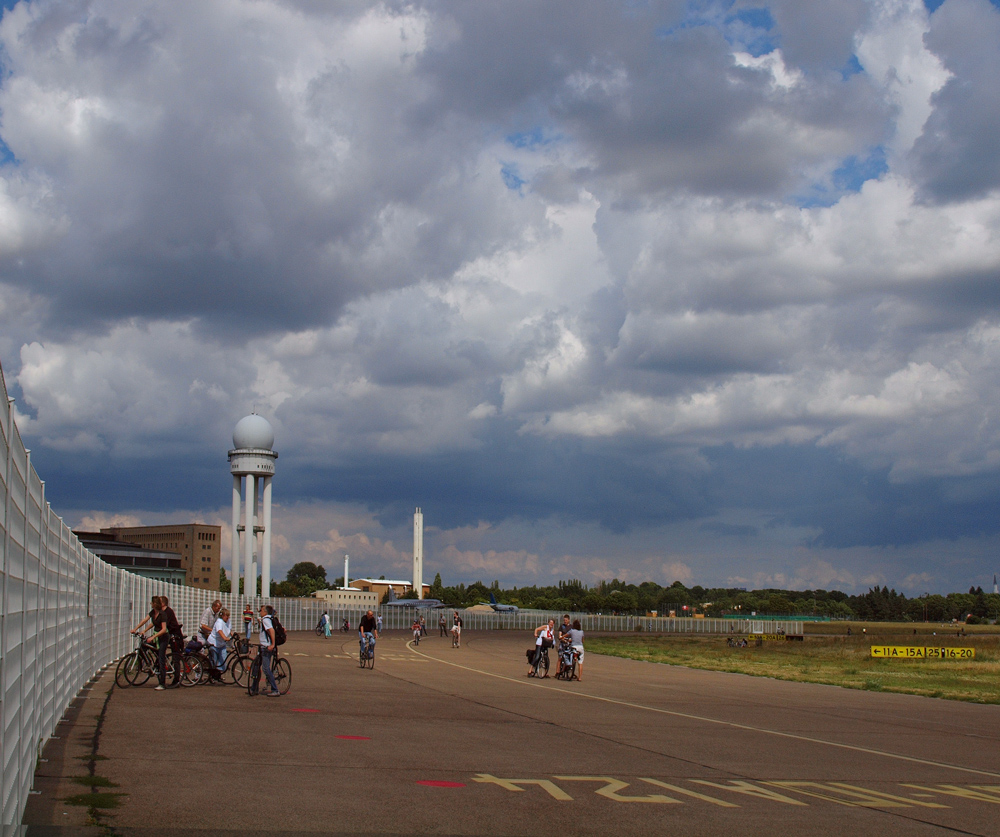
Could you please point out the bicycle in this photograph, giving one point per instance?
(238, 663)
(280, 668)
(541, 663)
(131, 665)
(366, 656)
(568, 660)
(193, 669)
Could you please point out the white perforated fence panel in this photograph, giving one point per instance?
(65, 614)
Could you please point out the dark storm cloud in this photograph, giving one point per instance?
(818, 36)
(958, 154)
(188, 185)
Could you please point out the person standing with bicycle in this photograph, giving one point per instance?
(544, 638)
(221, 633)
(368, 630)
(267, 647)
(163, 620)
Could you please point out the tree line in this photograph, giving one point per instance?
(617, 597)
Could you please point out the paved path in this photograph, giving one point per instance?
(438, 740)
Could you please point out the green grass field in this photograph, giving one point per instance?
(836, 660)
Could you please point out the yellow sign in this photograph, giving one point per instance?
(912, 652)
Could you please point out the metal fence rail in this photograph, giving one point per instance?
(65, 614)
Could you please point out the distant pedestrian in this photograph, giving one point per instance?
(248, 619)
(378, 623)
(442, 624)
(423, 626)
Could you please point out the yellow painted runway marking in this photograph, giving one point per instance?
(744, 787)
(837, 793)
(851, 795)
(676, 789)
(981, 793)
(612, 786)
(549, 787)
(534, 684)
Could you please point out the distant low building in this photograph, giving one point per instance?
(157, 564)
(352, 597)
(380, 586)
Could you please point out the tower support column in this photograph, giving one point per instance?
(265, 552)
(235, 577)
(249, 519)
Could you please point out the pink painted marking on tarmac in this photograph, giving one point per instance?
(435, 784)
(354, 737)
(305, 710)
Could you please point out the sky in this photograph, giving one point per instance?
(671, 291)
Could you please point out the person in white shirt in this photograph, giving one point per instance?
(208, 619)
(544, 639)
(220, 634)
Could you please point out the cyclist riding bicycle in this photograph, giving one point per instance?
(368, 630)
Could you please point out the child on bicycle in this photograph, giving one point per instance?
(415, 627)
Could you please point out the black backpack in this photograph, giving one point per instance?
(279, 630)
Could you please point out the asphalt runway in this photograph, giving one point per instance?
(437, 740)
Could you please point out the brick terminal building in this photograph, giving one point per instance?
(198, 546)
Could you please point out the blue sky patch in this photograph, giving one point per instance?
(511, 178)
(852, 68)
(6, 155)
(759, 18)
(847, 178)
(854, 171)
(530, 140)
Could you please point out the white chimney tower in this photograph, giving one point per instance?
(347, 561)
(418, 553)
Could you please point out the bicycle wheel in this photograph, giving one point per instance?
(206, 668)
(192, 669)
(142, 669)
(371, 656)
(239, 671)
(282, 671)
(175, 673)
(253, 677)
(122, 671)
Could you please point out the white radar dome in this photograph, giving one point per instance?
(253, 431)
